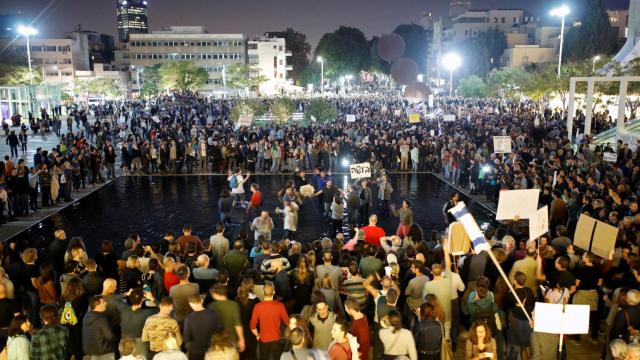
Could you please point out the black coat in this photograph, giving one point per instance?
(97, 336)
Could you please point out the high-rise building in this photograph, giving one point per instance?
(132, 18)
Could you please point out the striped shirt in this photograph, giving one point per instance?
(355, 290)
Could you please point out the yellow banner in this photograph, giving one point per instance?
(414, 118)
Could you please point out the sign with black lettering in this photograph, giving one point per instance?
(360, 171)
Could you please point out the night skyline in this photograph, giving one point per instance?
(373, 17)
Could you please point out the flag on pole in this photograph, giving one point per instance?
(462, 214)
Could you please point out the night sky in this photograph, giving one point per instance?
(312, 17)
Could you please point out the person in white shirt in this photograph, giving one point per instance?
(415, 158)
(290, 211)
(238, 191)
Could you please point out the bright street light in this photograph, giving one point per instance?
(321, 61)
(451, 61)
(561, 11)
(27, 31)
(593, 64)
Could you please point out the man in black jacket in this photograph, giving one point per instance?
(98, 339)
(12, 141)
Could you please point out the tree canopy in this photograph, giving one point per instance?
(242, 76)
(99, 86)
(415, 39)
(594, 36)
(150, 81)
(345, 51)
(320, 110)
(182, 75)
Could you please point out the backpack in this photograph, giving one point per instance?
(68, 316)
(485, 315)
(428, 336)
(233, 182)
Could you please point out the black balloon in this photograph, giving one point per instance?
(391, 47)
(404, 71)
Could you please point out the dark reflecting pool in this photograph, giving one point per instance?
(152, 206)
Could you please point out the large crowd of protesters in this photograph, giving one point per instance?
(239, 293)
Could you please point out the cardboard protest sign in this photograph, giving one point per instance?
(521, 203)
(561, 319)
(610, 157)
(414, 118)
(539, 223)
(155, 118)
(351, 118)
(244, 120)
(595, 236)
(448, 117)
(459, 241)
(307, 190)
(501, 144)
(360, 171)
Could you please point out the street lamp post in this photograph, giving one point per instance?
(321, 61)
(561, 11)
(593, 64)
(451, 62)
(28, 31)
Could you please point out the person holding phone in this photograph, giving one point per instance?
(480, 343)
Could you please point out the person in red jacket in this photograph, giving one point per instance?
(256, 199)
(269, 315)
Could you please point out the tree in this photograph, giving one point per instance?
(300, 49)
(16, 75)
(472, 87)
(345, 51)
(98, 86)
(483, 52)
(247, 107)
(415, 39)
(242, 76)
(320, 110)
(594, 36)
(182, 75)
(506, 82)
(377, 63)
(150, 81)
(281, 109)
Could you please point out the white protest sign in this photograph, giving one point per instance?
(313, 118)
(521, 203)
(502, 144)
(539, 223)
(383, 109)
(397, 112)
(155, 118)
(351, 118)
(610, 157)
(431, 100)
(244, 120)
(561, 319)
(360, 171)
(555, 179)
(448, 117)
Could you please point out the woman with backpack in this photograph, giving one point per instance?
(74, 304)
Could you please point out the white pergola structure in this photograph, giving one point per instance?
(622, 100)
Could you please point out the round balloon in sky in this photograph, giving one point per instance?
(391, 47)
(404, 71)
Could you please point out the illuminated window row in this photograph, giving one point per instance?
(188, 56)
(221, 43)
